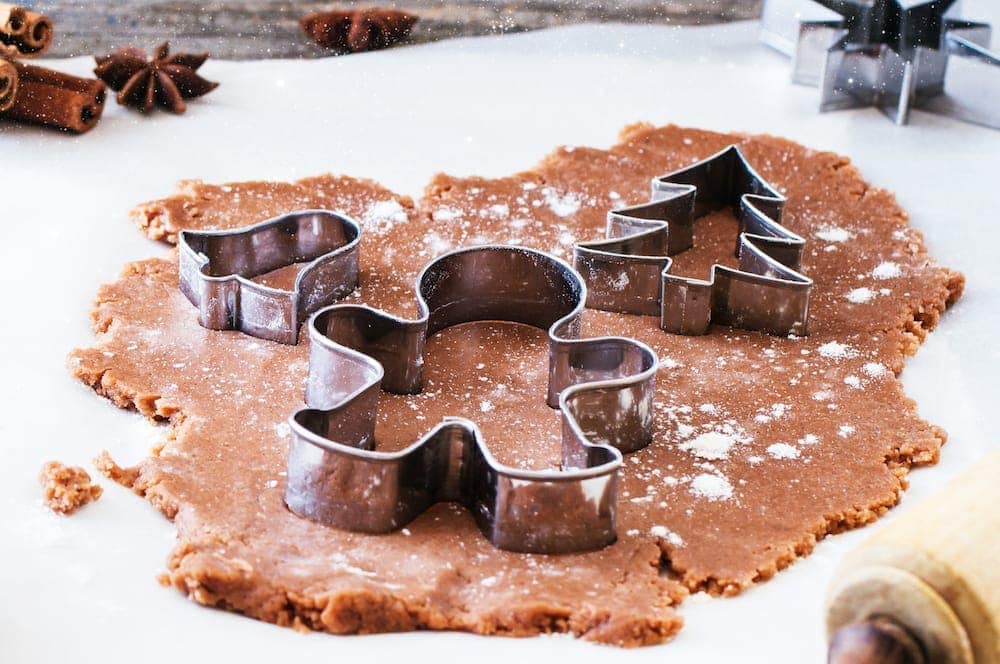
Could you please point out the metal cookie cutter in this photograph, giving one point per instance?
(891, 54)
(217, 267)
(603, 386)
(630, 271)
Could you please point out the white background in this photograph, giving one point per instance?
(83, 588)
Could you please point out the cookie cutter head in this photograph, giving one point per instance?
(895, 55)
(217, 269)
(603, 386)
(629, 272)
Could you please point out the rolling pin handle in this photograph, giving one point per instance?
(877, 640)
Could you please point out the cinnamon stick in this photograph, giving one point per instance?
(8, 84)
(59, 100)
(23, 33)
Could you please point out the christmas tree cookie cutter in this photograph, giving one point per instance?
(629, 272)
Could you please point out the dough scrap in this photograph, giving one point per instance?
(67, 488)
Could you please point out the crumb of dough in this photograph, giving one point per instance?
(67, 488)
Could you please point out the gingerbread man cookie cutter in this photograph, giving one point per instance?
(629, 272)
(603, 386)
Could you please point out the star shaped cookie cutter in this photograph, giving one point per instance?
(603, 386)
(630, 271)
(891, 54)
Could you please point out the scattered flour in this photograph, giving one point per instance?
(860, 295)
(836, 350)
(665, 533)
(620, 283)
(852, 381)
(563, 205)
(874, 369)
(783, 451)
(710, 445)
(886, 270)
(834, 234)
(711, 487)
(381, 215)
(446, 214)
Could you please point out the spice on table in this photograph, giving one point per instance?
(23, 33)
(59, 100)
(8, 84)
(165, 80)
(358, 30)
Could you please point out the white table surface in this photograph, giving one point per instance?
(83, 588)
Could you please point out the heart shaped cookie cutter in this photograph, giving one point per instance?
(630, 271)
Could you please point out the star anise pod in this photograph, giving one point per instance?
(358, 30)
(166, 79)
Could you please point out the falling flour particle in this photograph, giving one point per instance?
(860, 295)
(834, 234)
(486, 406)
(809, 439)
(845, 430)
(835, 350)
(874, 369)
(710, 445)
(711, 487)
(886, 270)
(852, 381)
(783, 451)
(489, 581)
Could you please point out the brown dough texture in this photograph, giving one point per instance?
(65, 488)
(764, 445)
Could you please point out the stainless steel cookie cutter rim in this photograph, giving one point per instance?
(769, 254)
(353, 486)
(222, 299)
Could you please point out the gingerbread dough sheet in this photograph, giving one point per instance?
(763, 444)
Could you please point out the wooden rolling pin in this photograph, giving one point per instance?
(926, 589)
